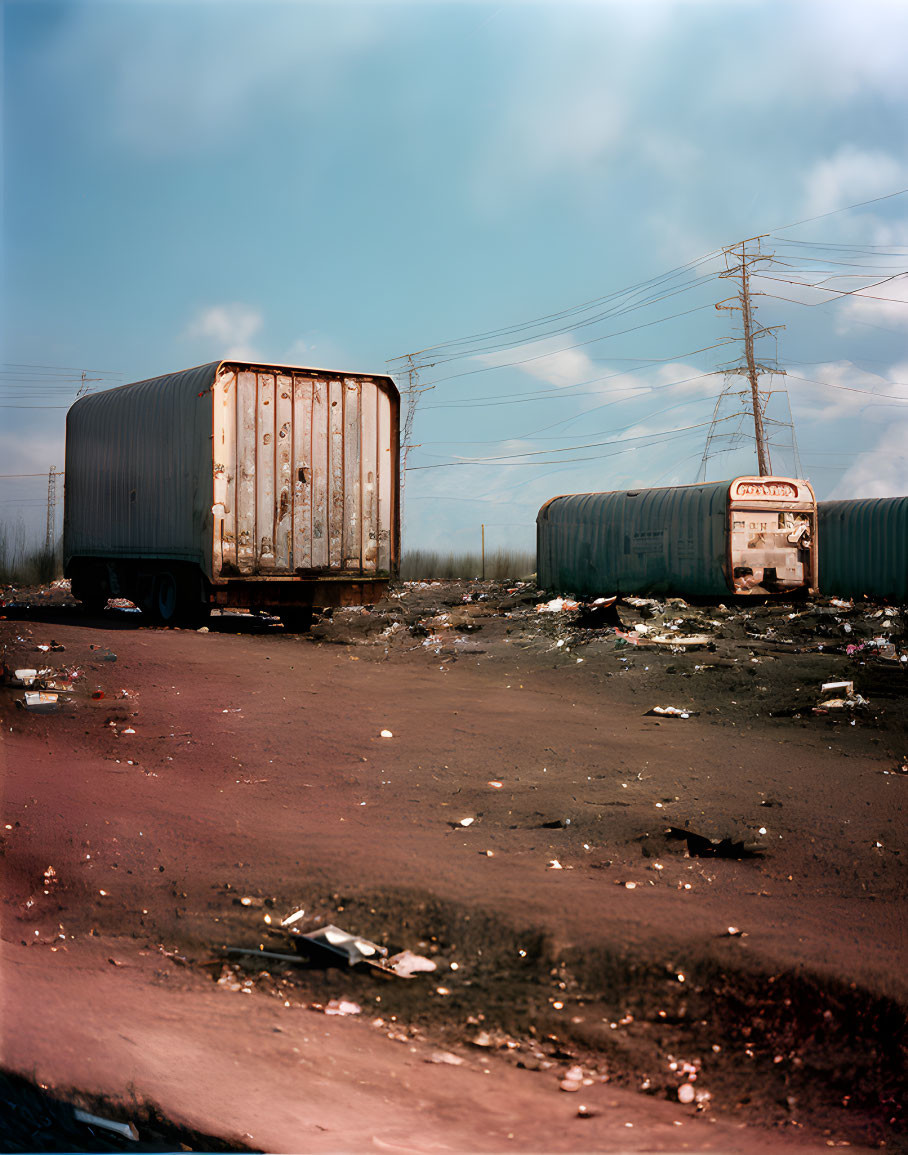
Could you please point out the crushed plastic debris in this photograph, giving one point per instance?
(343, 1007)
(669, 712)
(557, 606)
(40, 702)
(701, 846)
(330, 945)
(406, 963)
(125, 1130)
(446, 1058)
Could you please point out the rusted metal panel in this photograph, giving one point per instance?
(246, 471)
(353, 481)
(368, 479)
(335, 474)
(864, 547)
(224, 553)
(301, 468)
(320, 474)
(705, 540)
(283, 456)
(386, 481)
(250, 470)
(264, 473)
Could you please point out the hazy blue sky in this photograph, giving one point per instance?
(338, 184)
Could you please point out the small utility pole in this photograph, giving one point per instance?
(50, 538)
(752, 368)
(483, 552)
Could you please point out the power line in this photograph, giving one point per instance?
(564, 312)
(843, 209)
(502, 458)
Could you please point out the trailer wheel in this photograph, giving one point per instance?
(165, 598)
(296, 619)
(90, 587)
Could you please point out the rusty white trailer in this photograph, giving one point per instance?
(236, 483)
(750, 535)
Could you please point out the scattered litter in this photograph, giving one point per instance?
(845, 689)
(462, 822)
(851, 702)
(343, 1007)
(332, 945)
(292, 918)
(554, 864)
(669, 712)
(23, 677)
(407, 964)
(45, 647)
(686, 1093)
(586, 1112)
(447, 1058)
(57, 685)
(700, 846)
(39, 702)
(575, 1078)
(127, 1130)
(557, 605)
(386, 734)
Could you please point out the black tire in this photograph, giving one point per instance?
(91, 589)
(296, 619)
(178, 597)
(165, 598)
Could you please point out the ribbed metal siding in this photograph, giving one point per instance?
(863, 546)
(636, 541)
(138, 470)
(307, 473)
(203, 466)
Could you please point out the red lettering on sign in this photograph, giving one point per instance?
(766, 489)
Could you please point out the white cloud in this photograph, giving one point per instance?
(562, 368)
(881, 471)
(849, 176)
(855, 394)
(885, 304)
(228, 330)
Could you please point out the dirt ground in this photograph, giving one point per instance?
(650, 932)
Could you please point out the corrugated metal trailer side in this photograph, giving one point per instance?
(864, 547)
(750, 535)
(636, 541)
(138, 471)
(235, 483)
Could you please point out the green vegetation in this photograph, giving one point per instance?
(430, 565)
(23, 562)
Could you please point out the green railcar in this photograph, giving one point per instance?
(864, 547)
(750, 535)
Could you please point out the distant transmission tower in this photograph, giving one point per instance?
(413, 392)
(50, 539)
(739, 261)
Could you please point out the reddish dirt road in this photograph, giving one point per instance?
(246, 763)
